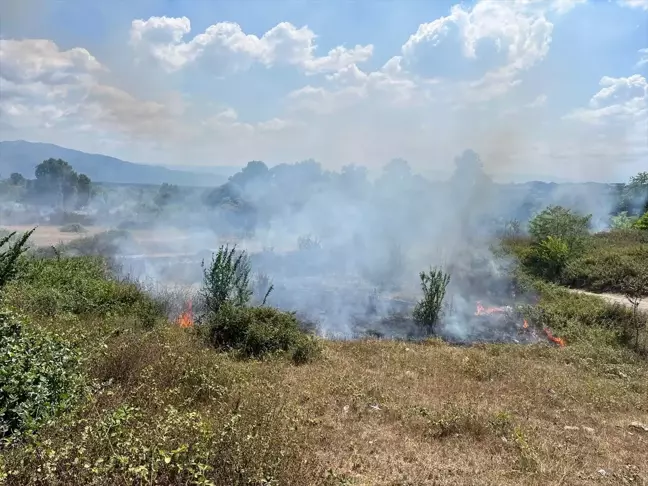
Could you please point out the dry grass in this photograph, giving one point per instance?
(367, 413)
(396, 413)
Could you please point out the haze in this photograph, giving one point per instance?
(541, 89)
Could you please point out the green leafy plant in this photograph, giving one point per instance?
(428, 310)
(226, 280)
(559, 222)
(39, 376)
(642, 222)
(622, 221)
(549, 257)
(9, 254)
(257, 331)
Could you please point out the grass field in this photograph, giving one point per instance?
(366, 413)
(154, 403)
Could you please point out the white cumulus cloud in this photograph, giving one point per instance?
(224, 47)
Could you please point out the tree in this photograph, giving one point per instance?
(58, 182)
(166, 194)
(17, 179)
(56, 178)
(469, 169)
(254, 170)
(84, 190)
(397, 170)
(635, 194)
(562, 223)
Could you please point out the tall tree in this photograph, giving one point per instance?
(57, 181)
(56, 178)
(17, 179)
(83, 189)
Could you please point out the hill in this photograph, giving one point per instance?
(23, 157)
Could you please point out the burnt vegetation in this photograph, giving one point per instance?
(114, 376)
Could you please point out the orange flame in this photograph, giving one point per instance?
(559, 341)
(525, 325)
(486, 311)
(186, 318)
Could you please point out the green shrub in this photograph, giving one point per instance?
(583, 319)
(257, 331)
(606, 268)
(428, 310)
(622, 221)
(560, 223)
(548, 258)
(642, 222)
(9, 254)
(39, 376)
(226, 280)
(81, 286)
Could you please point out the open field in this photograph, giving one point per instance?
(366, 413)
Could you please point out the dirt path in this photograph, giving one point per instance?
(615, 299)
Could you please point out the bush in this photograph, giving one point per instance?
(642, 222)
(72, 228)
(104, 244)
(258, 331)
(428, 310)
(81, 286)
(548, 258)
(585, 319)
(604, 269)
(39, 376)
(562, 223)
(226, 280)
(9, 254)
(622, 221)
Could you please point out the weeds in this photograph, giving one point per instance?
(428, 310)
(39, 377)
(9, 255)
(226, 280)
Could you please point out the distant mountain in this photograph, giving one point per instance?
(23, 157)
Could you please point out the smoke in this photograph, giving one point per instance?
(342, 250)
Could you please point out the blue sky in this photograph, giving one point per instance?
(555, 88)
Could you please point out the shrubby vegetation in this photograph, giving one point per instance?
(429, 309)
(251, 331)
(39, 377)
(10, 252)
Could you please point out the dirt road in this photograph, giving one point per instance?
(615, 299)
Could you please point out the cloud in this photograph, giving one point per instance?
(224, 47)
(538, 102)
(643, 57)
(518, 31)
(620, 100)
(40, 60)
(642, 4)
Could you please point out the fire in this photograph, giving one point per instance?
(186, 318)
(559, 341)
(525, 325)
(486, 311)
